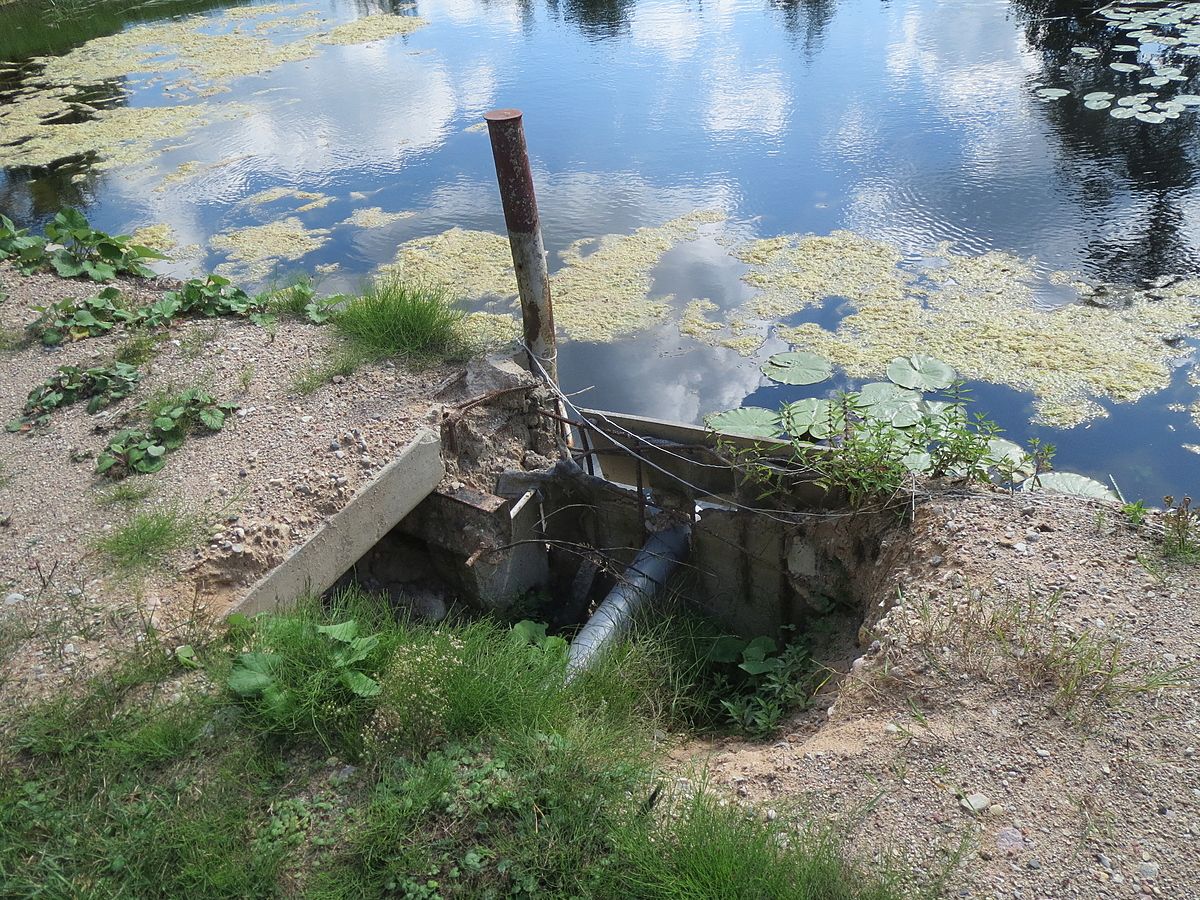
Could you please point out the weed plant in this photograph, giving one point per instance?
(392, 318)
(478, 773)
(1181, 530)
(148, 540)
(138, 348)
(99, 385)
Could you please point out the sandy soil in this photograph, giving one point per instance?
(283, 464)
(1025, 715)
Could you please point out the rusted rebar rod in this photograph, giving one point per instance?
(524, 236)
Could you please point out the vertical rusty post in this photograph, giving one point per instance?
(524, 236)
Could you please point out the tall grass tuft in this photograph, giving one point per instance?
(147, 541)
(394, 318)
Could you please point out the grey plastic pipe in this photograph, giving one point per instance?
(645, 577)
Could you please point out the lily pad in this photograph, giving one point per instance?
(921, 372)
(1188, 99)
(879, 392)
(797, 367)
(1124, 67)
(1097, 104)
(813, 416)
(1007, 454)
(1153, 118)
(1052, 93)
(1073, 484)
(1098, 95)
(1122, 112)
(746, 421)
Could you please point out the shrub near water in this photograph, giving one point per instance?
(397, 319)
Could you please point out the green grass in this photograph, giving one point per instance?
(343, 360)
(149, 539)
(138, 349)
(476, 773)
(124, 494)
(392, 318)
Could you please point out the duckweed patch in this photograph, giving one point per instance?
(207, 51)
(598, 295)
(604, 294)
(313, 199)
(977, 313)
(255, 251)
(375, 217)
(372, 28)
(160, 237)
(470, 263)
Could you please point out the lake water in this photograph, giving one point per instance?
(912, 123)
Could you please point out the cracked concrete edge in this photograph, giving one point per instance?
(342, 540)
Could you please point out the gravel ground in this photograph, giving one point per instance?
(283, 464)
(977, 734)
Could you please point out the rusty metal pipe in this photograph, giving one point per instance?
(524, 236)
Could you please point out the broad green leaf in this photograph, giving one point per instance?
(247, 682)
(811, 416)
(360, 684)
(726, 649)
(746, 421)
(916, 461)
(797, 367)
(758, 666)
(760, 647)
(212, 418)
(1073, 484)
(186, 656)
(921, 372)
(341, 631)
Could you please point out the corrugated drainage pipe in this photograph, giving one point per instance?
(644, 578)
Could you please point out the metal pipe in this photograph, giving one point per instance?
(644, 578)
(524, 236)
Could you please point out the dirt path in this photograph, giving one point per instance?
(1026, 715)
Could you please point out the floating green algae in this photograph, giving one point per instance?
(372, 28)
(207, 52)
(160, 237)
(794, 272)
(254, 252)
(604, 295)
(599, 296)
(374, 217)
(120, 136)
(487, 330)
(977, 313)
(472, 264)
(735, 335)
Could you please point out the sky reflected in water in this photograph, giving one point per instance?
(911, 122)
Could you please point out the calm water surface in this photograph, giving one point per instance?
(914, 122)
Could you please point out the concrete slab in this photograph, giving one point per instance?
(338, 544)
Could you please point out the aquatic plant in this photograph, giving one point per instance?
(867, 444)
